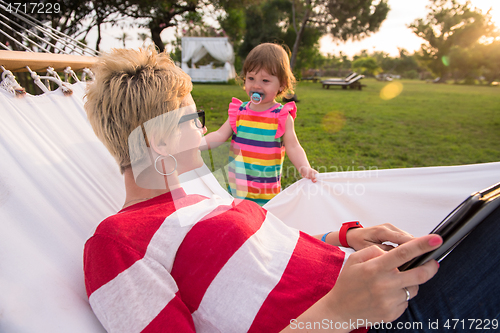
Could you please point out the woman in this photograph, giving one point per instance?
(171, 262)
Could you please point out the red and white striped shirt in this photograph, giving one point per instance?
(205, 265)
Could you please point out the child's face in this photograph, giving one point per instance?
(263, 83)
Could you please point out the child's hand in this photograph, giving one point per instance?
(309, 173)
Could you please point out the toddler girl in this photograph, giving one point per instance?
(261, 129)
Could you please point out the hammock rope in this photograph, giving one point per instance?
(68, 44)
(32, 36)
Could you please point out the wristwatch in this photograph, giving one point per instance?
(343, 231)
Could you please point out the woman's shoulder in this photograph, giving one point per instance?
(123, 227)
(135, 225)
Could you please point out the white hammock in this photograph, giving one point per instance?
(57, 182)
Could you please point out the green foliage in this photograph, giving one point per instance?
(263, 24)
(271, 21)
(451, 31)
(176, 53)
(355, 19)
(411, 74)
(154, 15)
(343, 19)
(405, 62)
(308, 54)
(233, 24)
(158, 14)
(489, 55)
(366, 66)
(405, 65)
(463, 64)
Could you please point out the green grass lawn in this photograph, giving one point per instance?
(425, 125)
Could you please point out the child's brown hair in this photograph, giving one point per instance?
(274, 59)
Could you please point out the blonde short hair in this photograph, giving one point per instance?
(130, 88)
(274, 59)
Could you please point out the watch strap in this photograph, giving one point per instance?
(343, 231)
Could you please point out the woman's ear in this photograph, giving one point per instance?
(159, 146)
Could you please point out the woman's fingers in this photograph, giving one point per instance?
(361, 238)
(366, 254)
(371, 286)
(420, 274)
(395, 235)
(413, 291)
(410, 250)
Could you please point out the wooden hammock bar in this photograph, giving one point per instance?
(16, 61)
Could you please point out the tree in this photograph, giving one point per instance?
(343, 19)
(143, 37)
(366, 65)
(406, 63)
(124, 37)
(272, 21)
(386, 63)
(308, 54)
(233, 24)
(78, 17)
(264, 24)
(102, 12)
(160, 15)
(448, 26)
(464, 64)
(490, 53)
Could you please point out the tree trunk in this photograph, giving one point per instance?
(298, 38)
(155, 36)
(99, 37)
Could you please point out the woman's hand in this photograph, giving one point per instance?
(370, 285)
(360, 238)
(370, 288)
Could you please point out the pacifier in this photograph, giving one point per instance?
(256, 97)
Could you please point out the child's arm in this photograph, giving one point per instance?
(296, 153)
(214, 139)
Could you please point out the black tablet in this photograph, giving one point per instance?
(459, 223)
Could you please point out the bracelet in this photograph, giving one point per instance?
(324, 236)
(343, 231)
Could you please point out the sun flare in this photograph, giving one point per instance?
(391, 90)
(485, 5)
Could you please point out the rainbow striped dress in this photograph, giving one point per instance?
(257, 152)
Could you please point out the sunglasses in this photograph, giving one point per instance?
(198, 116)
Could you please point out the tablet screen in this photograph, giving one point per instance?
(459, 223)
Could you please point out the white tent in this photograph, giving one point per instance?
(195, 48)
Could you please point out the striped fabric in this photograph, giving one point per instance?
(204, 265)
(257, 152)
